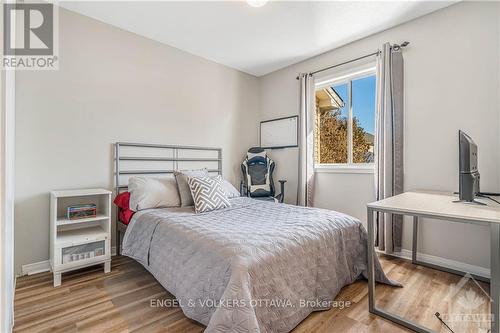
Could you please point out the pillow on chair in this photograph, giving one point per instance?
(184, 191)
(208, 194)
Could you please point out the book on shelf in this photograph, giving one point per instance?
(75, 212)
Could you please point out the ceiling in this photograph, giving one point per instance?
(255, 40)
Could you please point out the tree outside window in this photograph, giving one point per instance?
(345, 121)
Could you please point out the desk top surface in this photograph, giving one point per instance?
(440, 205)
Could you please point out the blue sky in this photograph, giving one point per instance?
(363, 101)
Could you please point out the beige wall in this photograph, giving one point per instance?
(113, 86)
(452, 78)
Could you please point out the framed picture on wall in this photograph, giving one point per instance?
(279, 133)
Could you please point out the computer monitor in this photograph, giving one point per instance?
(468, 172)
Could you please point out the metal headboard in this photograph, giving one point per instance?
(176, 152)
(175, 159)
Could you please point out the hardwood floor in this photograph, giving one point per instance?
(91, 301)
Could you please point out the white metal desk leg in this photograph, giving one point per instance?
(495, 277)
(371, 262)
(414, 241)
(371, 283)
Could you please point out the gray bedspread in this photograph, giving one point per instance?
(254, 267)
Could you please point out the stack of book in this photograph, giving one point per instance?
(76, 212)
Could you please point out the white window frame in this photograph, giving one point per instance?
(343, 78)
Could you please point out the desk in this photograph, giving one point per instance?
(436, 205)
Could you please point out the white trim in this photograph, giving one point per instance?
(448, 263)
(7, 138)
(345, 168)
(344, 76)
(36, 267)
(44, 266)
(350, 140)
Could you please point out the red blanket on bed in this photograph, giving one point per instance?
(122, 200)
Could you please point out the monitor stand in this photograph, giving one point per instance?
(471, 202)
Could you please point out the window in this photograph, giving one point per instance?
(345, 121)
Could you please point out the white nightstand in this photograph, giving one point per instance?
(75, 244)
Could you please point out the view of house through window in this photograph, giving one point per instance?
(345, 120)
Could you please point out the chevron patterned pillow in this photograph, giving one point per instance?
(208, 194)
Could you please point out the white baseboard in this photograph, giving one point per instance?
(44, 266)
(36, 267)
(448, 263)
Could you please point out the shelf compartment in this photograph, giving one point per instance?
(101, 202)
(79, 236)
(66, 221)
(72, 265)
(82, 252)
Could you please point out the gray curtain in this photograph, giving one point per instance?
(307, 114)
(389, 139)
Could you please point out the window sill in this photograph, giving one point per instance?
(332, 168)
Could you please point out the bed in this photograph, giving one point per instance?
(253, 267)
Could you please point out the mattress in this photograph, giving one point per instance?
(254, 267)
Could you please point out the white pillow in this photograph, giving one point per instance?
(229, 189)
(181, 176)
(148, 192)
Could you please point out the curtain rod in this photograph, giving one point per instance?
(404, 44)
